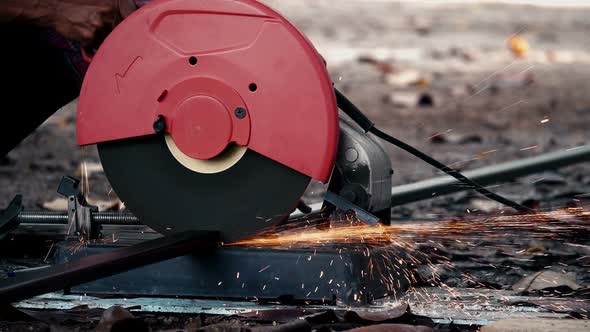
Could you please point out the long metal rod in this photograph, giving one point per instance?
(445, 185)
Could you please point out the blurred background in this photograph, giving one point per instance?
(473, 83)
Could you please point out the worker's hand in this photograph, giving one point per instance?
(88, 21)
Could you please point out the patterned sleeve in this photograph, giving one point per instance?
(71, 50)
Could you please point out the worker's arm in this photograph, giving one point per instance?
(86, 21)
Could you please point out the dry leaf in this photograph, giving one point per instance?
(560, 56)
(519, 46)
(111, 205)
(404, 99)
(406, 78)
(58, 204)
(538, 249)
(393, 328)
(537, 324)
(61, 204)
(382, 66)
(545, 280)
(111, 316)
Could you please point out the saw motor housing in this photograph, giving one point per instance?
(363, 171)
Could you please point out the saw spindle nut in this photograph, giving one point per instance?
(160, 125)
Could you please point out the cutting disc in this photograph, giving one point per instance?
(253, 194)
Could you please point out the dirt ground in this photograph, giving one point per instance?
(441, 77)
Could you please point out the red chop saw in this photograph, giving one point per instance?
(215, 115)
(211, 118)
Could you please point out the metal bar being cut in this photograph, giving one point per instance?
(507, 171)
(63, 276)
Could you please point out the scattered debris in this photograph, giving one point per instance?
(536, 249)
(426, 100)
(407, 77)
(550, 179)
(382, 66)
(57, 204)
(467, 55)
(519, 46)
(404, 99)
(107, 205)
(574, 308)
(537, 325)
(453, 137)
(438, 138)
(560, 56)
(393, 328)
(486, 205)
(421, 25)
(546, 281)
(61, 204)
(117, 319)
(112, 316)
(458, 91)
(507, 82)
(375, 317)
(280, 315)
(399, 315)
(471, 55)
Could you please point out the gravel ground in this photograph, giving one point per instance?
(440, 77)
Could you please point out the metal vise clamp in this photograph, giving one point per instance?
(79, 211)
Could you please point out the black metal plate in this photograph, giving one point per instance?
(254, 194)
(315, 274)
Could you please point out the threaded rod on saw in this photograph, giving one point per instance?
(52, 217)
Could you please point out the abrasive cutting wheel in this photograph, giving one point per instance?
(251, 195)
(209, 115)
